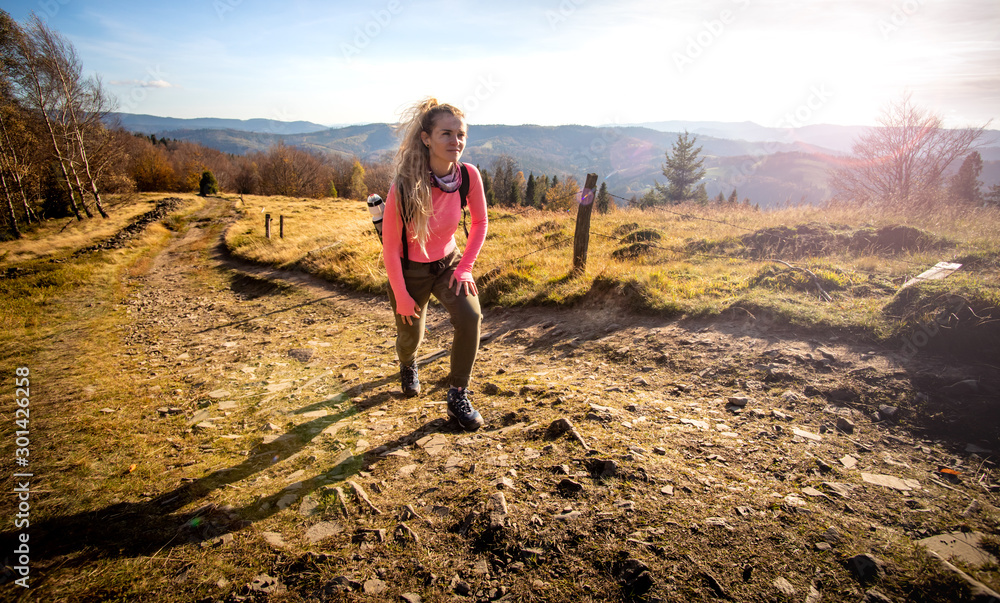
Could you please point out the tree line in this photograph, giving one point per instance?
(162, 164)
(506, 186)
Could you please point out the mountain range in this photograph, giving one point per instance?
(770, 166)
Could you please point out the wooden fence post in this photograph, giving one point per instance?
(281, 227)
(267, 225)
(582, 239)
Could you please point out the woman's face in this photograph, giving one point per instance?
(446, 141)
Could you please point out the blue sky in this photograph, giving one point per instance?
(774, 62)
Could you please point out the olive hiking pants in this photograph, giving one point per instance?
(423, 280)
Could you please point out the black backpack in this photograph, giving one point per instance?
(376, 206)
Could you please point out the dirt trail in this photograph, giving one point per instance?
(277, 370)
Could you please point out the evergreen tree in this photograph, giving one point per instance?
(487, 186)
(542, 185)
(992, 196)
(208, 185)
(650, 199)
(529, 190)
(965, 184)
(603, 201)
(683, 169)
(701, 195)
(504, 172)
(515, 193)
(733, 198)
(721, 199)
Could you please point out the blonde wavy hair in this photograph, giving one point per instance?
(412, 165)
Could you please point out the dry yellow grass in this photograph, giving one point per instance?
(66, 235)
(691, 260)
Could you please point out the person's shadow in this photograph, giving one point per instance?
(146, 528)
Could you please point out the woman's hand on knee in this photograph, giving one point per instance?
(460, 286)
(414, 315)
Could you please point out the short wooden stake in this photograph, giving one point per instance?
(582, 239)
(281, 227)
(267, 225)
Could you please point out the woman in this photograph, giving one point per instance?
(424, 207)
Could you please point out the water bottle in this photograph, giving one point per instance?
(377, 208)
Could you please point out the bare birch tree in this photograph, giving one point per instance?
(79, 102)
(903, 159)
(39, 93)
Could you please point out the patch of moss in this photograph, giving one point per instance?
(624, 229)
(641, 236)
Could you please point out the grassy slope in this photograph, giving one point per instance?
(696, 264)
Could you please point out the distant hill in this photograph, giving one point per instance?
(837, 138)
(770, 166)
(151, 124)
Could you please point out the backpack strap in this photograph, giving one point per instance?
(463, 190)
(402, 219)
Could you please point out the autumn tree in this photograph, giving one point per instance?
(682, 170)
(904, 158)
(246, 176)
(357, 189)
(295, 172)
(517, 187)
(151, 171)
(563, 195)
(17, 142)
(378, 176)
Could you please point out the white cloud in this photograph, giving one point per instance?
(143, 83)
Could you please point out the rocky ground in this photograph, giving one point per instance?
(623, 457)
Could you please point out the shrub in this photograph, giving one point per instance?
(208, 185)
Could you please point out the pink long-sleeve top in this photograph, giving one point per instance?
(441, 242)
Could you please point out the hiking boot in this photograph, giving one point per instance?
(460, 408)
(409, 379)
